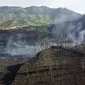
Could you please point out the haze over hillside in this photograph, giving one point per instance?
(26, 29)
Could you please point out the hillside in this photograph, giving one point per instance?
(17, 16)
(80, 48)
(31, 38)
(51, 66)
(33, 28)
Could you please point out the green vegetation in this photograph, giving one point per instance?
(26, 20)
(13, 17)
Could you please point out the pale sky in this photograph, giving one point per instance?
(75, 5)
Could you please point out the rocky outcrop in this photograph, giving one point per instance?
(52, 66)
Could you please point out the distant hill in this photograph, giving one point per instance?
(17, 16)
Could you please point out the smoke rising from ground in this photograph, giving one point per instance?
(16, 46)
